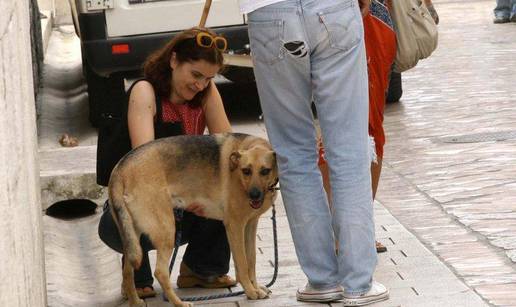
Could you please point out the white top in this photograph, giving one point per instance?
(247, 6)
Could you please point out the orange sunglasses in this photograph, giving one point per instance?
(207, 40)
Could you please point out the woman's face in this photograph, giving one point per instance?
(190, 78)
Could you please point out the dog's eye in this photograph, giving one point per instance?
(246, 171)
(265, 171)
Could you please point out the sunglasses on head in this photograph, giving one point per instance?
(207, 40)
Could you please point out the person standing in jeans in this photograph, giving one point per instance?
(306, 50)
(505, 11)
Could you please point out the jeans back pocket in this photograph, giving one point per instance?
(265, 40)
(343, 25)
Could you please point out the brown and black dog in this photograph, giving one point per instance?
(231, 176)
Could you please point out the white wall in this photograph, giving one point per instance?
(60, 10)
(21, 244)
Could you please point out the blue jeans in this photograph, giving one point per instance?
(314, 49)
(505, 8)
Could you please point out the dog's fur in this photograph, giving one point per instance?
(230, 175)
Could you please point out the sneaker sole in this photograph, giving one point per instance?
(366, 300)
(498, 21)
(319, 298)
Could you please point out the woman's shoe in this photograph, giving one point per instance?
(380, 248)
(145, 292)
(188, 279)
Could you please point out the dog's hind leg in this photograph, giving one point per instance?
(128, 286)
(161, 274)
(162, 237)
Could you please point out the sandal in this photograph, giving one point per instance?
(380, 248)
(188, 279)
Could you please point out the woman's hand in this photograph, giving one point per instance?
(364, 6)
(432, 11)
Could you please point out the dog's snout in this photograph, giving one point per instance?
(255, 194)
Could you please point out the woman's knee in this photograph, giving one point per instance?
(108, 232)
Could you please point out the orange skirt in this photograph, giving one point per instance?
(380, 42)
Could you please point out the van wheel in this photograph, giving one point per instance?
(104, 93)
(395, 89)
(238, 74)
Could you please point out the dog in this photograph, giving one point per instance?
(231, 176)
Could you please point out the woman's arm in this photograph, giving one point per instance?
(140, 114)
(432, 11)
(216, 118)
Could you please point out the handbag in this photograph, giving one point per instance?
(416, 33)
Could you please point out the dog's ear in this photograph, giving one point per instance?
(273, 154)
(234, 158)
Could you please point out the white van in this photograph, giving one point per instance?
(117, 35)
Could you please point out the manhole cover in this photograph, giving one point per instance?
(480, 137)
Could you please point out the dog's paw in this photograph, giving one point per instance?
(265, 289)
(257, 294)
(252, 294)
(186, 304)
(263, 292)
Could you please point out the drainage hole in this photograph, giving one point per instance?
(72, 209)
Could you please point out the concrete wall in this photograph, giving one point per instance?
(60, 10)
(21, 243)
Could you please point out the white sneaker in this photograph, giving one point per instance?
(377, 293)
(309, 294)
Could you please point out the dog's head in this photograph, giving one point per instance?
(257, 171)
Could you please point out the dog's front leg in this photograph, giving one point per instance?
(250, 248)
(235, 233)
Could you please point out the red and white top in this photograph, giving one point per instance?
(192, 118)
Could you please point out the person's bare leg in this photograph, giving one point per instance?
(376, 170)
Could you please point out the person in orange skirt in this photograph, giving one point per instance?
(380, 41)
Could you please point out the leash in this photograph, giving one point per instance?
(238, 293)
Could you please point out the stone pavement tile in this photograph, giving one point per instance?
(474, 258)
(158, 302)
(280, 301)
(445, 234)
(500, 294)
(408, 248)
(505, 225)
(488, 280)
(435, 300)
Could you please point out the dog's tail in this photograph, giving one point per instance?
(124, 220)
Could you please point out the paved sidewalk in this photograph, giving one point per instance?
(82, 271)
(450, 162)
(447, 212)
(413, 274)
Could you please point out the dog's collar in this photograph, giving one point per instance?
(273, 187)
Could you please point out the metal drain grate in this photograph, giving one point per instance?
(480, 137)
